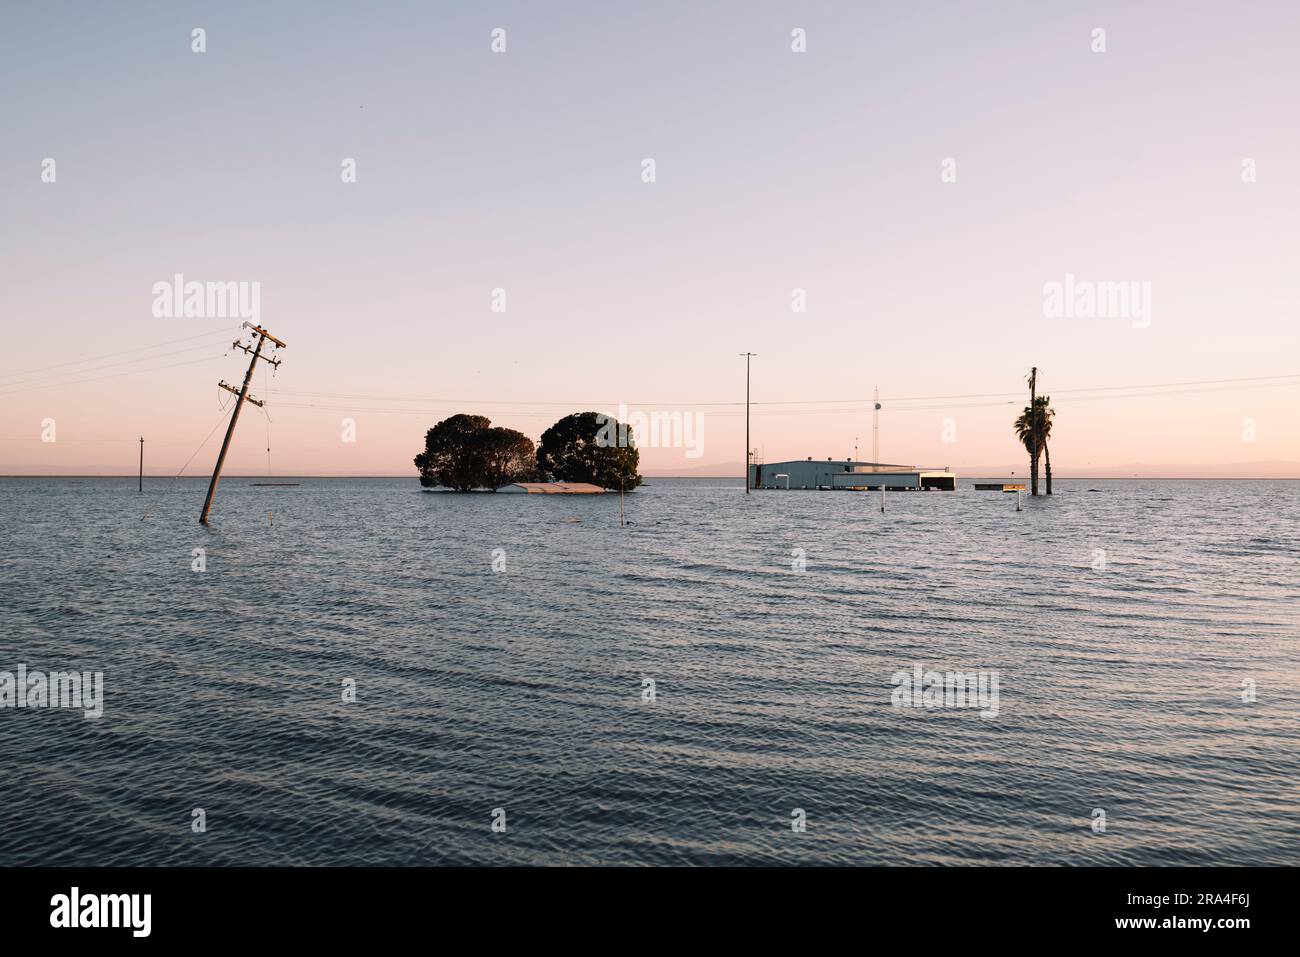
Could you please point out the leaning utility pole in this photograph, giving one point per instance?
(747, 356)
(1033, 431)
(262, 336)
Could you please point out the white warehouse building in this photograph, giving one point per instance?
(845, 474)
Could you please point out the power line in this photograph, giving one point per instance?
(109, 365)
(1103, 388)
(1101, 398)
(62, 439)
(453, 405)
(121, 352)
(113, 375)
(220, 419)
(1012, 396)
(521, 408)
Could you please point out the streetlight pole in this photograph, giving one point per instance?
(875, 430)
(747, 356)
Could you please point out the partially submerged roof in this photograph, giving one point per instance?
(554, 488)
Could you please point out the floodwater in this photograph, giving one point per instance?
(686, 689)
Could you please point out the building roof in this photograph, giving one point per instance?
(556, 488)
(851, 464)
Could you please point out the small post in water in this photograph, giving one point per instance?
(142, 465)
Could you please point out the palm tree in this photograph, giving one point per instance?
(1024, 426)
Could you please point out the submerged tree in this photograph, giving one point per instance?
(590, 447)
(508, 456)
(1040, 421)
(465, 452)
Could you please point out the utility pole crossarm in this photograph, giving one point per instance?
(233, 391)
(280, 344)
(249, 349)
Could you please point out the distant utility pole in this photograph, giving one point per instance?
(875, 430)
(1033, 431)
(142, 465)
(262, 337)
(748, 454)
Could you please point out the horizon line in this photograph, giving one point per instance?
(736, 478)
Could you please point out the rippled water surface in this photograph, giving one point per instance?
(1120, 688)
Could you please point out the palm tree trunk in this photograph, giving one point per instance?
(1047, 452)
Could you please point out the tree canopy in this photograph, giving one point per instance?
(590, 447)
(1041, 417)
(465, 452)
(1038, 419)
(508, 456)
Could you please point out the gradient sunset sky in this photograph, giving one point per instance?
(775, 170)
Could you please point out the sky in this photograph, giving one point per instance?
(915, 179)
